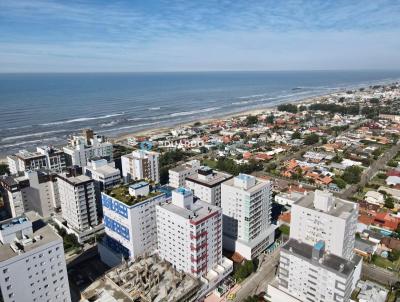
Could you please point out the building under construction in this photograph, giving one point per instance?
(148, 279)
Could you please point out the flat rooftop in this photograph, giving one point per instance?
(342, 208)
(147, 279)
(259, 185)
(180, 168)
(43, 233)
(12, 221)
(121, 193)
(75, 180)
(199, 210)
(331, 262)
(216, 178)
(24, 154)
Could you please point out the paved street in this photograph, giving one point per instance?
(378, 274)
(371, 171)
(258, 282)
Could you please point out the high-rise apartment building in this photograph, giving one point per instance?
(32, 262)
(206, 184)
(129, 221)
(35, 190)
(45, 157)
(189, 233)
(78, 205)
(321, 216)
(318, 262)
(177, 176)
(308, 273)
(141, 164)
(88, 146)
(246, 206)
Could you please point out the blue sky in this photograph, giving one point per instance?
(146, 35)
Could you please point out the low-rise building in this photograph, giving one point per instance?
(371, 292)
(287, 199)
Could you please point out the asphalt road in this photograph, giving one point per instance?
(371, 171)
(379, 274)
(258, 282)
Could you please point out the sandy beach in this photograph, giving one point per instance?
(154, 131)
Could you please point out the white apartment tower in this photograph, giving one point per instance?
(45, 157)
(246, 207)
(25, 160)
(86, 147)
(318, 262)
(308, 273)
(321, 216)
(32, 262)
(55, 158)
(129, 221)
(189, 234)
(78, 204)
(14, 193)
(206, 184)
(141, 164)
(103, 173)
(34, 191)
(178, 175)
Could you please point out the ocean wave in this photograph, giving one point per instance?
(82, 119)
(11, 138)
(20, 127)
(154, 108)
(112, 123)
(252, 96)
(184, 113)
(136, 119)
(51, 139)
(252, 101)
(130, 127)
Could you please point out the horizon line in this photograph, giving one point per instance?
(200, 71)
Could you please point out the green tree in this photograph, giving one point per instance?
(389, 202)
(270, 119)
(337, 158)
(244, 270)
(340, 182)
(288, 108)
(4, 169)
(251, 120)
(296, 135)
(352, 174)
(311, 139)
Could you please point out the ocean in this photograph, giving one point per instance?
(43, 108)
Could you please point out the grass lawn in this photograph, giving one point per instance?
(385, 263)
(210, 163)
(285, 229)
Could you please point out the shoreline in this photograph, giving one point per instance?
(255, 111)
(118, 139)
(151, 131)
